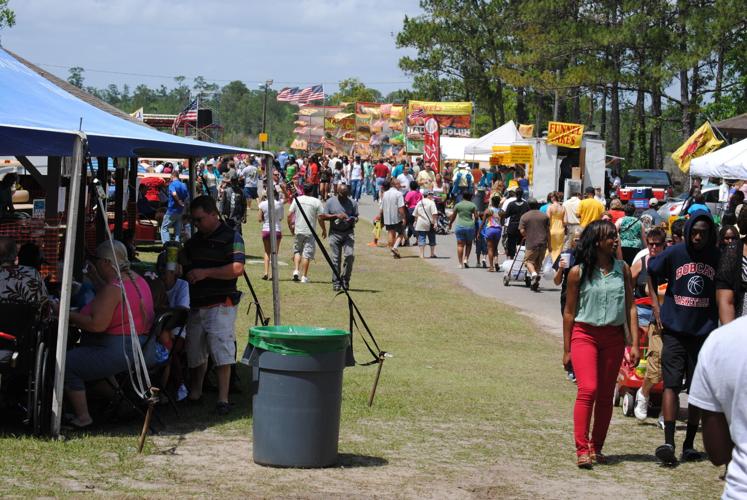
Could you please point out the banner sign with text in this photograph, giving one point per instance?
(567, 135)
(432, 143)
(454, 120)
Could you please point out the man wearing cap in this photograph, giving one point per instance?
(589, 209)
(178, 196)
(650, 217)
(534, 227)
(212, 259)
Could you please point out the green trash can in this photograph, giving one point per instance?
(296, 394)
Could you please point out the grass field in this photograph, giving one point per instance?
(474, 403)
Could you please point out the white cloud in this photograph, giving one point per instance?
(305, 41)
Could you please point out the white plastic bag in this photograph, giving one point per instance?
(547, 271)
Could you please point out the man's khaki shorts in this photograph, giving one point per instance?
(535, 256)
(210, 332)
(304, 245)
(653, 356)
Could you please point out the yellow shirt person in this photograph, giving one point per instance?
(589, 209)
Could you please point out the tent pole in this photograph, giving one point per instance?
(270, 190)
(119, 184)
(67, 282)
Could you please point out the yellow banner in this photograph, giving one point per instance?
(522, 153)
(526, 131)
(701, 142)
(441, 108)
(567, 135)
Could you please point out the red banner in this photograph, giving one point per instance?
(432, 145)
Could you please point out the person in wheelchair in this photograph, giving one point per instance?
(105, 347)
(18, 283)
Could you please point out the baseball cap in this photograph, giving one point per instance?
(427, 192)
(653, 201)
(211, 161)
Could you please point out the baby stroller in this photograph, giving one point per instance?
(442, 221)
(630, 378)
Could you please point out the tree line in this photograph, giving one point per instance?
(642, 73)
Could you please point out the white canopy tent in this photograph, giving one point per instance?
(453, 149)
(505, 135)
(726, 163)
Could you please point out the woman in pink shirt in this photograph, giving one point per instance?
(105, 345)
(412, 197)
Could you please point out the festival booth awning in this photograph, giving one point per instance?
(42, 116)
(505, 135)
(39, 118)
(736, 126)
(726, 163)
(453, 149)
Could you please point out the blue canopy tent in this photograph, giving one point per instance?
(41, 115)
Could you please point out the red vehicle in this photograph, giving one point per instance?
(639, 186)
(630, 378)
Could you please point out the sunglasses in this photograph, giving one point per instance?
(655, 243)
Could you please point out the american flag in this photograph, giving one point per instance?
(418, 113)
(288, 94)
(189, 114)
(309, 94)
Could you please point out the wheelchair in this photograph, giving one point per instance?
(27, 361)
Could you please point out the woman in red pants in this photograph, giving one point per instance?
(599, 303)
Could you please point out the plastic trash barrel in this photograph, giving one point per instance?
(297, 394)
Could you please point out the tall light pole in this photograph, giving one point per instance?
(263, 134)
(270, 185)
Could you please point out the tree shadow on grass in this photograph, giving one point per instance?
(351, 460)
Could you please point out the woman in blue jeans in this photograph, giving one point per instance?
(465, 216)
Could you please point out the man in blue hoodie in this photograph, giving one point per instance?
(689, 314)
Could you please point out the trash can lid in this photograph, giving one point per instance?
(298, 340)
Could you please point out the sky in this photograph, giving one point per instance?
(292, 42)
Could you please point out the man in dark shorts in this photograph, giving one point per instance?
(392, 215)
(213, 259)
(689, 314)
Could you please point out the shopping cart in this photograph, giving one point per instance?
(516, 269)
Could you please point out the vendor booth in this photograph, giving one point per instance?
(542, 160)
(41, 115)
(729, 162)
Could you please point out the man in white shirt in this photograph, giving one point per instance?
(403, 180)
(304, 245)
(718, 390)
(426, 217)
(392, 215)
(571, 217)
(426, 178)
(356, 178)
(250, 174)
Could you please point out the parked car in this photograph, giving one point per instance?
(673, 206)
(649, 178)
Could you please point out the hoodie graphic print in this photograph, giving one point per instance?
(690, 301)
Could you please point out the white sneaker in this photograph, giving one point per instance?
(304, 279)
(641, 406)
(295, 275)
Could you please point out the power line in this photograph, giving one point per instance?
(172, 77)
